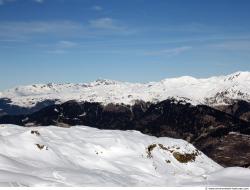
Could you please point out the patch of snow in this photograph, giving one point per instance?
(83, 114)
(25, 119)
(85, 156)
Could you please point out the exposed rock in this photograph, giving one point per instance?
(239, 109)
(185, 158)
(232, 149)
(35, 132)
(149, 150)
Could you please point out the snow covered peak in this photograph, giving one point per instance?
(181, 79)
(240, 76)
(104, 82)
(212, 91)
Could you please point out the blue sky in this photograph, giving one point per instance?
(58, 41)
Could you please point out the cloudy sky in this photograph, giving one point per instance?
(58, 41)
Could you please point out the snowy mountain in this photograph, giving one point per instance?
(84, 156)
(212, 91)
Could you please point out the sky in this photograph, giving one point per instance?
(60, 41)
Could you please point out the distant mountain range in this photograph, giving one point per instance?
(210, 91)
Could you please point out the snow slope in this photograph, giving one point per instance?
(211, 91)
(84, 156)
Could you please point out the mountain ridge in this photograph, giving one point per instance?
(217, 90)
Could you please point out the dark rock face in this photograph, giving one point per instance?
(218, 134)
(240, 109)
(231, 149)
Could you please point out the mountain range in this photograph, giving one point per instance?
(211, 91)
(213, 114)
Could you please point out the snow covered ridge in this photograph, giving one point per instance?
(211, 91)
(84, 156)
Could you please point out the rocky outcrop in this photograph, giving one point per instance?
(239, 109)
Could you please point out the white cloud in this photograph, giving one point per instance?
(2, 2)
(97, 8)
(60, 47)
(170, 51)
(57, 51)
(104, 23)
(26, 30)
(63, 29)
(66, 44)
(240, 45)
(39, 1)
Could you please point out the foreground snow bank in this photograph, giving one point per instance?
(84, 156)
